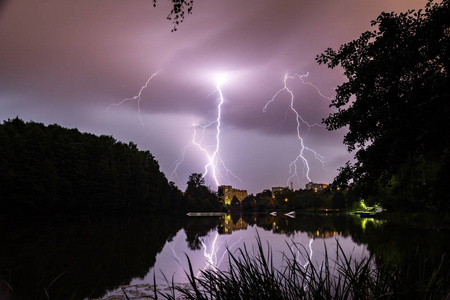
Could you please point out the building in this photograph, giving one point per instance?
(316, 186)
(226, 196)
(240, 194)
(228, 193)
(277, 189)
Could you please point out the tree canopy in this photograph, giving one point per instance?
(396, 104)
(200, 197)
(50, 169)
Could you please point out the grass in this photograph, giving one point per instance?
(252, 275)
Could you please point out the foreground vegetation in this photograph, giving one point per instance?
(251, 275)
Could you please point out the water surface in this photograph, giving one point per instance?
(97, 258)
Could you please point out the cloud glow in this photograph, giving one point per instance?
(65, 62)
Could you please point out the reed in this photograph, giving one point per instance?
(252, 275)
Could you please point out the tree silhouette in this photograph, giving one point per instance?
(50, 169)
(179, 9)
(396, 104)
(199, 196)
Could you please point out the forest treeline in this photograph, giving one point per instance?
(45, 169)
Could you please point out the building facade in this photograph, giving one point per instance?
(228, 193)
(277, 189)
(316, 186)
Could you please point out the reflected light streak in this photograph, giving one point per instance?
(298, 254)
(210, 253)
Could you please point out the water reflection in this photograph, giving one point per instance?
(305, 238)
(79, 260)
(373, 221)
(227, 224)
(76, 260)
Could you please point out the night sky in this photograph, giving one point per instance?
(67, 61)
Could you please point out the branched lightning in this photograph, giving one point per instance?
(137, 97)
(307, 256)
(177, 163)
(212, 152)
(308, 259)
(302, 79)
(210, 253)
(211, 258)
(300, 121)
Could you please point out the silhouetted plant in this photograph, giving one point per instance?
(252, 275)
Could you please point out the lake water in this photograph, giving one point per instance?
(101, 258)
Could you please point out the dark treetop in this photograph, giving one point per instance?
(396, 105)
(45, 169)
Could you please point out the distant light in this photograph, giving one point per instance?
(221, 78)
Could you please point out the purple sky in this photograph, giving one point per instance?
(67, 61)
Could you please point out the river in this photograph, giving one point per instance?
(94, 259)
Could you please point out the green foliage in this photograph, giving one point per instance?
(396, 104)
(359, 206)
(50, 169)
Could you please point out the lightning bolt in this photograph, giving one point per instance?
(211, 258)
(303, 148)
(175, 255)
(137, 97)
(177, 163)
(299, 254)
(210, 254)
(213, 161)
(212, 152)
(310, 254)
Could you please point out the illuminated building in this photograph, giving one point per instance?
(316, 186)
(228, 192)
(277, 189)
